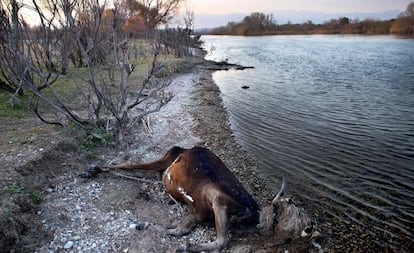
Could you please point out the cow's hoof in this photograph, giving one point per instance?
(91, 171)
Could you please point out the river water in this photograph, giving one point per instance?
(335, 115)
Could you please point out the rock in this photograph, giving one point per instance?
(241, 249)
(142, 225)
(181, 248)
(68, 245)
(224, 65)
(76, 238)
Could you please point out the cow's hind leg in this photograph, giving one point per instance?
(186, 225)
(220, 208)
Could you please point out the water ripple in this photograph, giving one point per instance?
(337, 123)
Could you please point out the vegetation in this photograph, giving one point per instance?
(95, 139)
(36, 197)
(88, 63)
(15, 189)
(13, 108)
(262, 24)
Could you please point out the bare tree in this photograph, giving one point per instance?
(108, 96)
(404, 25)
(154, 12)
(409, 11)
(180, 41)
(10, 47)
(26, 55)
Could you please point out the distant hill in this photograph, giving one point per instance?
(283, 17)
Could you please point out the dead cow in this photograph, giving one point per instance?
(197, 178)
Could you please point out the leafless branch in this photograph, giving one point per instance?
(92, 36)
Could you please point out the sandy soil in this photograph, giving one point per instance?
(112, 213)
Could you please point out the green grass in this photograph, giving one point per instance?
(69, 87)
(93, 140)
(15, 188)
(18, 108)
(36, 197)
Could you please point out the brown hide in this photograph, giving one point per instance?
(197, 171)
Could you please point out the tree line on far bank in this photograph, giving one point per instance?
(262, 24)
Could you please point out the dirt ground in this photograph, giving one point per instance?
(47, 207)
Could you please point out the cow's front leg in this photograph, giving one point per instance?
(186, 225)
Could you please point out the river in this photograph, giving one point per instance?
(335, 115)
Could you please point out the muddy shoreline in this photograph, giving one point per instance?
(116, 214)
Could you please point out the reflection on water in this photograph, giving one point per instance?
(335, 115)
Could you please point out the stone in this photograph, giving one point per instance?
(68, 245)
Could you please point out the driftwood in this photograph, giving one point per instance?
(147, 126)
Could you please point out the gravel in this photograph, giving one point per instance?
(114, 214)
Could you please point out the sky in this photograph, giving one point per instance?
(213, 13)
(326, 6)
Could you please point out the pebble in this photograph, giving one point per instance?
(241, 249)
(68, 245)
(181, 248)
(76, 238)
(142, 225)
(81, 216)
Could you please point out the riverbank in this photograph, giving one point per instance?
(118, 214)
